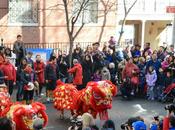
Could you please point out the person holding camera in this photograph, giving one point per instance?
(134, 123)
(108, 125)
(169, 120)
(76, 123)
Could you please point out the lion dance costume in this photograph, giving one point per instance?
(22, 115)
(96, 98)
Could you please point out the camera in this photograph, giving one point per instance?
(156, 118)
(128, 124)
(76, 122)
(170, 108)
(124, 126)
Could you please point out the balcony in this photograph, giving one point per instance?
(147, 9)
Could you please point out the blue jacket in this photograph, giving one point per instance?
(155, 64)
(136, 53)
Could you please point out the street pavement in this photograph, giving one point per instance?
(119, 113)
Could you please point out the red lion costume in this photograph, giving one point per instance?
(22, 115)
(5, 102)
(95, 98)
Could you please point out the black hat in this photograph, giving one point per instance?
(96, 43)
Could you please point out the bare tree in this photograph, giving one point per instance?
(71, 21)
(107, 6)
(126, 12)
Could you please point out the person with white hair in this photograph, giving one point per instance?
(88, 122)
(77, 72)
(113, 72)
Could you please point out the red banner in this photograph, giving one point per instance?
(170, 9)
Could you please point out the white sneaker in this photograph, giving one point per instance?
(42, 94)
(152, 99)
(48, 99)
(132, 93)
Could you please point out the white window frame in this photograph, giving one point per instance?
(20, 23)
(91, 23)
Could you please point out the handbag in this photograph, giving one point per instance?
(135, 80)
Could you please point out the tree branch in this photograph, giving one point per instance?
(83, 5)
(124, 4)
(67, 16)
(82, 25)
(131, 7)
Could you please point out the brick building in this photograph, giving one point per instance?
(43, 21)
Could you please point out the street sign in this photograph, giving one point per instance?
(170, 9)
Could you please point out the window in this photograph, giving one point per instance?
(23, 12)
(89, 13)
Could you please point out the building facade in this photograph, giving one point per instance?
(150, 21)
(43, 21)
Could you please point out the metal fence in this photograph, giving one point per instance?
(64, 46)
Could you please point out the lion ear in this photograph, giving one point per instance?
(114, 89)
(19, 111)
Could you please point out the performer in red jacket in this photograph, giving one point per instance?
(10, 74)
(39, 67)
(76, 70)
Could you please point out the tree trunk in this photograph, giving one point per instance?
(102, 28)
(70, 52)
(121, 31)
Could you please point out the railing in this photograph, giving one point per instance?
(61, 46)
(146, 6)
(57, 46)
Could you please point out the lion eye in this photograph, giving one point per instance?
(96, 96)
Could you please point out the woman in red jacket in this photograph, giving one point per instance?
(10, 74)
(131, 72)
(39, 67)
(76, 70)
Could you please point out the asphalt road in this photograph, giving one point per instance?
(119, 113)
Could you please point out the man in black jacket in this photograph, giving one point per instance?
(19, 50)
(51, 76)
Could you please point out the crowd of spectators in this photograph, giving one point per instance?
(144, 73)
(148, 72)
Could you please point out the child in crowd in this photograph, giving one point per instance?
(28, 77)
(151, 78)
(96, 76)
